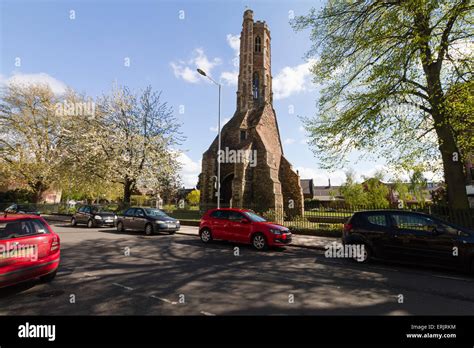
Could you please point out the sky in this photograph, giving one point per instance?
(90, 45)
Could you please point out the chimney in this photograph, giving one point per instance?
(329, 182)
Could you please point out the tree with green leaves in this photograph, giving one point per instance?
(193, 197)
(31, 147)
(386, 67)
(131, 140)
(418, 186)
(353, 192)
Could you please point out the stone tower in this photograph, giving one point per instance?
(254, 172)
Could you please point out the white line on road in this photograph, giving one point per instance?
(208, 314)
(454, 278)
(163, 299)
(122, 286)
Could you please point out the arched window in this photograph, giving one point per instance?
(258, 44)
(255, 86)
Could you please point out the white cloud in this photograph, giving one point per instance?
(230, 78)
(321, 177)
(186, 70)
(234, 43)
(292, 80)
(288, 141)
(58, 87)
(189, 171)
(223, 122)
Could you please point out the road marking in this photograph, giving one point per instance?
(163, 299)
(208, 314)
(122, 286)
(454, 278)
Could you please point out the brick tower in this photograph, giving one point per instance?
(263, 179)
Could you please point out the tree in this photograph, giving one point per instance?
(386, 67)
(31, 148)
(353, 192)
(460, 104)
(418, 186)
(193, 197)
(131, 140)
(377, 192)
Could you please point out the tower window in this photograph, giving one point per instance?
(243, 135)
(258, 44)
(255, 89)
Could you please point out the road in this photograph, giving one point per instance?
(104, 272)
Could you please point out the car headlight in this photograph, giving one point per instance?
(160, 223)
(177, 222)
(278, 232)
(115, 217)
(97, 217)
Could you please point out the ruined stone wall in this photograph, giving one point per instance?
(292, 190)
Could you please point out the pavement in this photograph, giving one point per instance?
(105, 272)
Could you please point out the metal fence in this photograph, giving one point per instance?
(314, 217)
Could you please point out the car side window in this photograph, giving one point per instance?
(413, 222)
(235, 216)
(129, 212)
(139, 213)
(220, 214)
(87, 210)
(378, 220)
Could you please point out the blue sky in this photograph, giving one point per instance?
(86, 45)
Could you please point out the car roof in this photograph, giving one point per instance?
(231, 209)
(388, 211)
(14, 217)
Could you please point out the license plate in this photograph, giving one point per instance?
(108, 220)
(171, 226)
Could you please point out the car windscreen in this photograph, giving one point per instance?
(155, 213)
(254, 217)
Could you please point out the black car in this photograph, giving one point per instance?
(149, 220)
(22, 209)
(411, 237)
(93, 216)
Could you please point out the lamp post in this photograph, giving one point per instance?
(203, 73)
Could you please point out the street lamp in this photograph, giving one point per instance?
(203, 73)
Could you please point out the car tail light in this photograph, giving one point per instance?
(347, 227)
(55, 244)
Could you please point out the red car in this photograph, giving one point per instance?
(243, 226)
(29, 249)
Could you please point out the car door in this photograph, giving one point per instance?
(219, 221)
(140, 219)
(418, 239)
(374, 227)
(236, 229)
(80, 215)
(128, 219)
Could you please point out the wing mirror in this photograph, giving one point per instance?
(244, 221)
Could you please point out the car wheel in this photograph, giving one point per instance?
(172, 232)
(149, 229)
(365, 256)
(90, 223)
(120, 227)
(206, 235)
(259, 241)
(48, 277)
(73, 222)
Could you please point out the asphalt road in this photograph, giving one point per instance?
(104, 272)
